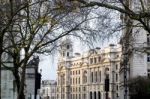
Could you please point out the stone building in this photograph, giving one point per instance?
(33, 79)
(135, 43)
(8, 89)
(32, 82)
(83, 76)
(48, 89)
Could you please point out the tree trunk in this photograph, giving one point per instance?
(0, 71)
(22, 83)
(17, 79)
(19, 83)
(21, 95)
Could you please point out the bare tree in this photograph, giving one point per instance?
(37, 27)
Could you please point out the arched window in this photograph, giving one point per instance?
(94, 95)
(99, 95)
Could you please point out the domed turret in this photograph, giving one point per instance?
(66, 51)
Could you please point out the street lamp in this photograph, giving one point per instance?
(106, 82)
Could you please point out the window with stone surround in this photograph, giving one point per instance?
(116, 66)
(96, 76)
(95, 60)
(67, 54)
(116, 77)
(99, 59)
(99, 76)
(68, 46)
(84, 77)
(91, 60)
(91, 77)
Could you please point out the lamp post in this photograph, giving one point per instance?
(106, 82)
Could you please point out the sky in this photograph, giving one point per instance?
(48, 64)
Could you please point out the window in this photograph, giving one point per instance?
(148, 57)
(99, 76)
(84, 88)
(70, 97)
(79, 89)
(67, 54)
(148, 38)
(148, 75)
(43, 91)
(95, 60)
(116, 66)
(116, 77)
(70, 80)
(76, 80)
(99, 59)
(79, 80)
(117, 88)
(91, 95)
(79, 96)
(96, 76)
(91, 76)
(84, 77)
(57, 96)
(117, 95)
(68, 46)
(91, 60)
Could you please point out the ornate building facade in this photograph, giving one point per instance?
(83, 76)
(48, 89)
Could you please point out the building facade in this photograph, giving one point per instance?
(33, 79)
(83, 76)
(8, 89)
(32, 82)
(48, 89)
(135, 49)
